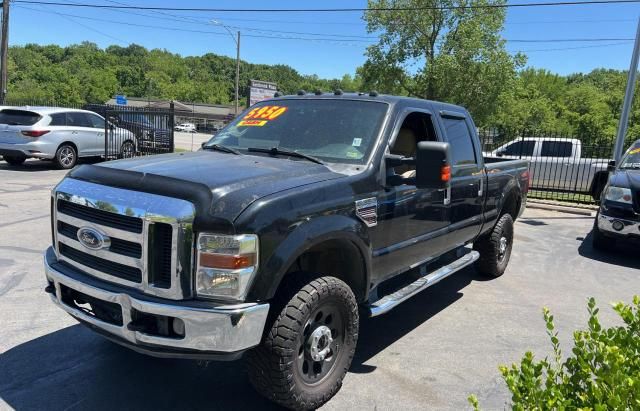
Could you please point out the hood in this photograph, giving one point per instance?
(626, 179)
(234, 181)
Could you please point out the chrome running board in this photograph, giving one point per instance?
(388, 302)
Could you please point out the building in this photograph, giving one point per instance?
(206, 117)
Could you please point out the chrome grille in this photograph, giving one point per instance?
(143, 231)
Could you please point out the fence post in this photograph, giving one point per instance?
(172, 116)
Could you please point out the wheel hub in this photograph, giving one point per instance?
(319, 343)
(503, 245)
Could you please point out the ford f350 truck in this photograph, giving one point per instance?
(303, 214)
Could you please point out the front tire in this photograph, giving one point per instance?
(127, 150)
(66, 157)
(14, 160)
(495, 248)
(308, 349)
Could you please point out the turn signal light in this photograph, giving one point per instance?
(228, 262)
(34, 133)
(445, 173)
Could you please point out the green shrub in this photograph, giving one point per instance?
(603, 372)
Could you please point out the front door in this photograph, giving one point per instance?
(411, 221)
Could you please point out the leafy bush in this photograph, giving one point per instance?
(603, 372)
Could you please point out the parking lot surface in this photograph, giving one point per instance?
(429, 353)
(190, 141)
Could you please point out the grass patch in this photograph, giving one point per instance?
(559, 196)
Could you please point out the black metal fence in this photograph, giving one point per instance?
(562, 166)
(135, 131)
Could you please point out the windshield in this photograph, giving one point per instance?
(334, 130)
(632, 157)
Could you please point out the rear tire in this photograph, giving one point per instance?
(308, 348)
(495, 248)
(66, 157)
(14, 160)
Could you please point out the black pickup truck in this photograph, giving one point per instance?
(303, 214)
(618, 218)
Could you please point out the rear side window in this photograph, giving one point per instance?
(556, 149)
(520, 148)
(58, 119)
(459, 138)
(96, 121)
(78, 120)
(19, 117)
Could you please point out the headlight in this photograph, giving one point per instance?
(618, 194)
(226, 265)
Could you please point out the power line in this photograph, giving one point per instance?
(335, 10)
(573, 48)
(340, 37)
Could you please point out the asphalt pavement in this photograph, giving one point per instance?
(429, 353)
(189, 141)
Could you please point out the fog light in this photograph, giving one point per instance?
(617, 225)
(178, 326)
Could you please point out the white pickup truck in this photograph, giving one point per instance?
(556, 163)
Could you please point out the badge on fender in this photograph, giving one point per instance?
(367, 211)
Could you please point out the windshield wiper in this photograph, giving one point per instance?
(224, 149)
(274, 151)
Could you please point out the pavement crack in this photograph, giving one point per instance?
(12, 282)
(24, 221)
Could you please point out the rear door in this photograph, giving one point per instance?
(554, 165)
(467, 177)
(84, 134)
(98, 125)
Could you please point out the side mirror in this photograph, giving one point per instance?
(500, 153)
(433, 165)
(203, 144)
(611, 166)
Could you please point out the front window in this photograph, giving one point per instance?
(632, 157)
(332, 130)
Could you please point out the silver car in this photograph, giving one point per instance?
(59, 134)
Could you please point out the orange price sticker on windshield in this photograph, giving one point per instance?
(265, 113)
(253, 123)
(635, 151)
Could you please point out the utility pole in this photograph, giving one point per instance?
(237, 71)
(4, 45)
(235, 38)
(628, 98)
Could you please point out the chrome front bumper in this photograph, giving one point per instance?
(216, 331)
(605, 224)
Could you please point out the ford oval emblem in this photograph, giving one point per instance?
(93, 239)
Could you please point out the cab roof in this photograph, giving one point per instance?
(373, 96)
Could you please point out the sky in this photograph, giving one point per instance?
(337, 41)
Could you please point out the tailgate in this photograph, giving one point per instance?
(12, 135)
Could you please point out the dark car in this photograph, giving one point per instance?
(303, 214)
(618, 218)
(152, 137)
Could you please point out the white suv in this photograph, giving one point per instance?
(60, 134)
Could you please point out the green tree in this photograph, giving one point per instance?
(455, 55)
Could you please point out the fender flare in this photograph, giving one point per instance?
(305, 236)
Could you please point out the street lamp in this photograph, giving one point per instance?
(237, 41)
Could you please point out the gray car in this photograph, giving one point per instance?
(59, 134)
